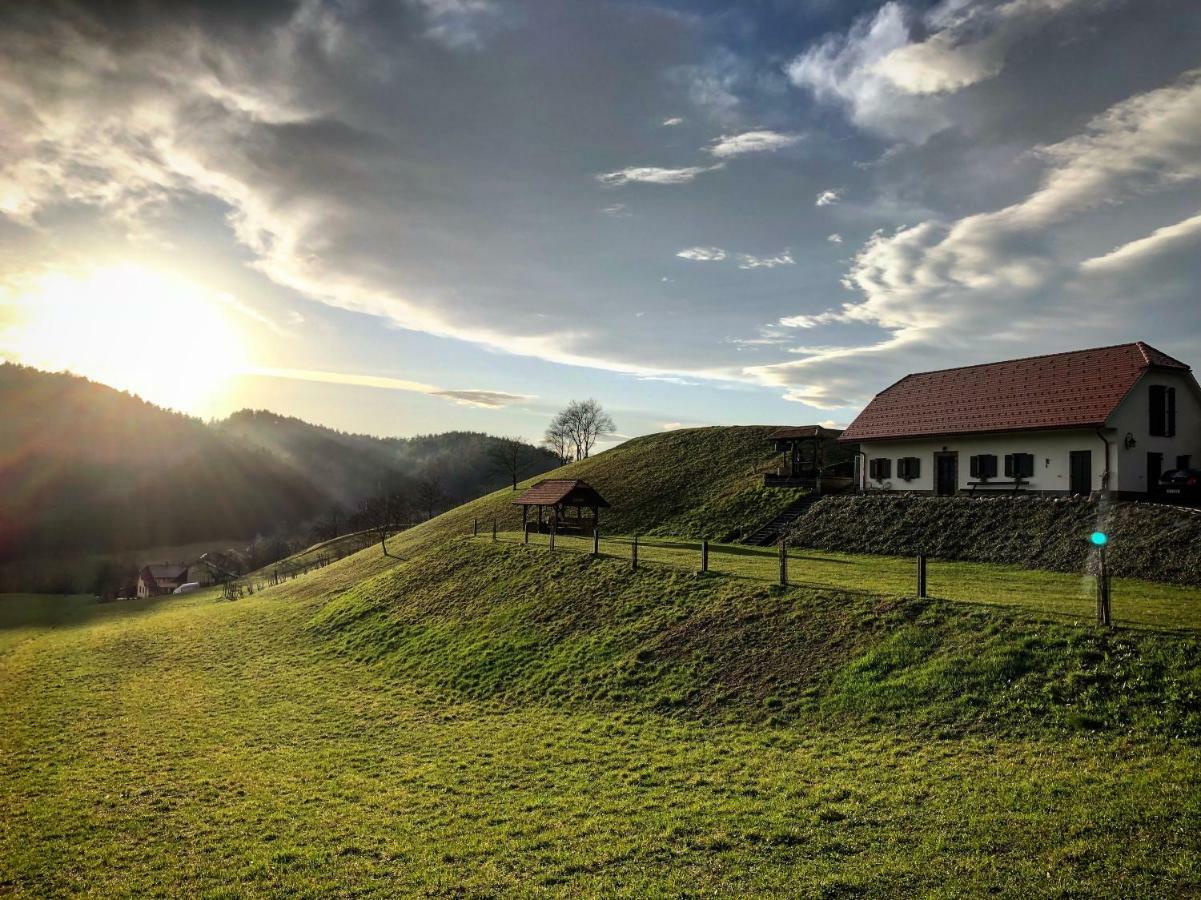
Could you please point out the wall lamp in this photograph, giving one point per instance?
(1130, 442)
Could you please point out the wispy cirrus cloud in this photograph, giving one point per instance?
(752, 142)
(702, 254)
(828, 197)
(486, 399)
(655, 175)
(750, 261)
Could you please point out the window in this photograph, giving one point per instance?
(879, 469)
(1019, 465)
(1163, 411)
(983, 466)
(909, 467)
(1183, 462)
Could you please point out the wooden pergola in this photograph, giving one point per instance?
(559, 495)
(804, 450)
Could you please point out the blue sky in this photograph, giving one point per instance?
(430, 214)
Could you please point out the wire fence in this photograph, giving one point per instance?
(1066, 596)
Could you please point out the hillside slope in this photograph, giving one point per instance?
(494, 621)
(694, 482)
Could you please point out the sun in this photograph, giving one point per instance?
(148, 332)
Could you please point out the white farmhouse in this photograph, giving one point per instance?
(1108, 419)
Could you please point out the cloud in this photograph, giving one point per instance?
(482, 398)
(703, 254)
(891, 84)
(834, 238)
(458, 23)
(828, 197)
(1013, 273)
(673, 121)
(751, 142)
(486, 399)
(747, 261)
(655, 175)
(617, 210)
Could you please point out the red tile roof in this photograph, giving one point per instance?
(553, 491)
(1079, 389)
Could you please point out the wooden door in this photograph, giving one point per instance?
(1080, 468)
(946, 474)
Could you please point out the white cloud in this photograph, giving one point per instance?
(617, 210)
(747, 261)
(835, 239)
(655, 175)
(673, 121)
(828, 198)
(891, 84)
(938, 285)
(703, 254)
(458, 23)
(469, 397)
(751, 142)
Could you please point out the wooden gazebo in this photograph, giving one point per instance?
(807, 451)
(558, 495)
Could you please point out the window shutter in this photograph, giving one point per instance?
(873, 468)
(915, 467)
(903, 467)
(1009, 472)
(1026, 465)
(1170, 424)
(886, 467)
(1158, 408)
(975, 466)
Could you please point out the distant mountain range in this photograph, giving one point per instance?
(84, 467)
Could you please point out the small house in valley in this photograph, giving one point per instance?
(1109, 419)
(154, 580)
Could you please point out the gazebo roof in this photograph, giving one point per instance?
(804, 431)
(561, 491)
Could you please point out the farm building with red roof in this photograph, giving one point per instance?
(1108, 419)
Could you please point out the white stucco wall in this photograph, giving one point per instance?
(1133, 417)
(1051, 451)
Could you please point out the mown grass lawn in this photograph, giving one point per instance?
(198, 747)
(1136, 603)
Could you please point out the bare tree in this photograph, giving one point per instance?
(583, 422)
(511, 456)
(558, 441)
(430, 491)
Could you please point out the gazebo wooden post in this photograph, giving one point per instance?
(554, 523)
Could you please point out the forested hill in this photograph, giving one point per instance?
(84, 467)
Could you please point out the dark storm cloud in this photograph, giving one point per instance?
(502, 173)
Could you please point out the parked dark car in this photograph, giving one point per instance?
(1181, 484)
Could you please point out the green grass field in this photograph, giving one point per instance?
(470, 719)
(483, 720)
(1144, 604)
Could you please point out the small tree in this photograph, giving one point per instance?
(583, 422)
(510, 456)
(430, 491)
(558, 441)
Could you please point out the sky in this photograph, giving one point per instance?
(410, 216)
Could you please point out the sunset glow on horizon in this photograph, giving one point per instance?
(159, 336)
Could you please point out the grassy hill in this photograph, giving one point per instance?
(472, 719)
(694, 482)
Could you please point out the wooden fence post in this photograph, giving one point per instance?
(1104, 618)
(783, 560)
(553, 523)
(921, 576)
(634, 555)
(704, 555)
(596, 540)
(475, 527)
(525, 532)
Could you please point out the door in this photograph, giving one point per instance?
(946, 474)
(1154, 470)
(1081, 471)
